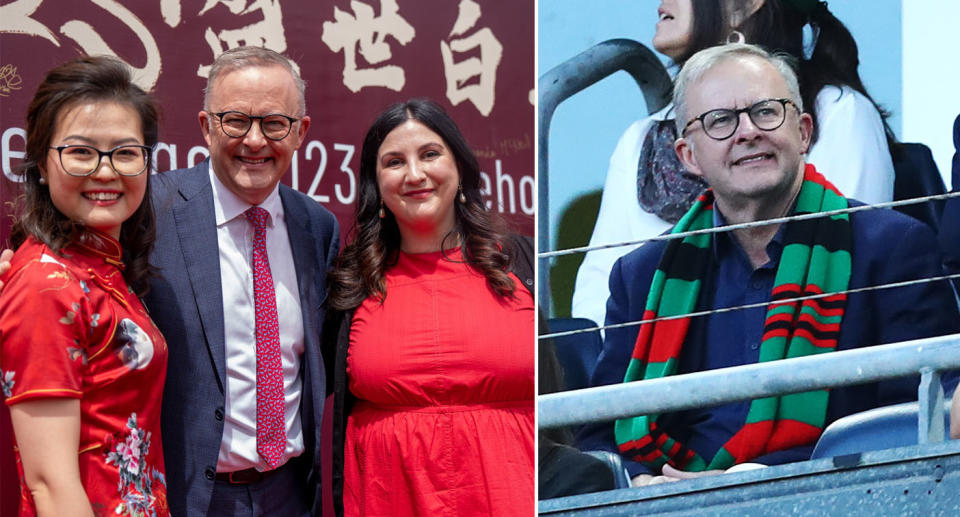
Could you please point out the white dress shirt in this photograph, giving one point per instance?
(851, 152)
(238, 448)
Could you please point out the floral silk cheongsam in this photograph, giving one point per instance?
(71, 328)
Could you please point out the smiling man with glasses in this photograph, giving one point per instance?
(243, 262)
(745, 133)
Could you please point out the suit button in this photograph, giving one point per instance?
(210, 473)
(218, 414)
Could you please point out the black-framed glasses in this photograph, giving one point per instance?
(720, 124)
(274, 126)
(84, 160)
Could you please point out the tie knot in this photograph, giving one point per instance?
(257, 217)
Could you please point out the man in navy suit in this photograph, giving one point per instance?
(743, 129)
(205, 303)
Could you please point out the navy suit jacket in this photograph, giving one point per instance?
(186, 303)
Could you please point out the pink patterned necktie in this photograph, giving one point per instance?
(271, 431)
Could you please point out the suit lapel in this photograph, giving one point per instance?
(303, 246)
(201, 254)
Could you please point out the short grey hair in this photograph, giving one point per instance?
(248, 56)
(702, 61)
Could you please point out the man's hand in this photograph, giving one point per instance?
(5, 259)
(671, 474)
(677, 474)
(648, 479)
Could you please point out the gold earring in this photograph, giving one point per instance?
(462, 198)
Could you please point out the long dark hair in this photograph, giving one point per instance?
(778, 27)
(359, 270)
(85, 79)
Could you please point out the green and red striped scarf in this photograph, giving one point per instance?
(815, 260)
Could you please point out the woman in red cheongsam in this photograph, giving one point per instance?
(433, 371)
(81, 363)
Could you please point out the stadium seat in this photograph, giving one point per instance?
(916, 175)
(577, 352)
(881, 428)
(621, 478)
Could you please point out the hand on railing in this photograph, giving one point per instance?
(671, 474)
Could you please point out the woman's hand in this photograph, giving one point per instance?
(5, 259)
(48, 435)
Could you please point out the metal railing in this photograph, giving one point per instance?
(570, 77)
(709, 388)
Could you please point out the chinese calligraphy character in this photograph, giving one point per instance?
(15, 18)
(267, 32)
(480, 93)
(370, 34)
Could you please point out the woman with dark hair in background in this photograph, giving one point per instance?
(433, 376)
(82, 365)
(647, 189)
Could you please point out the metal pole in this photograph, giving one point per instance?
(565, 80)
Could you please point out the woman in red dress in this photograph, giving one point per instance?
(433, 372)
(81, 363)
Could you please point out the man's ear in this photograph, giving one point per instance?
(302, 130)
(204, 120)
(806, 131)
(684, 150)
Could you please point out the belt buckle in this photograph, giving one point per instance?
(244, 477)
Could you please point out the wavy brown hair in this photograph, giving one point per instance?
(85, 79)
(359, 270)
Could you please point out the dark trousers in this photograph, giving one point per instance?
(281, 494)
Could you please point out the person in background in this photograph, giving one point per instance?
(81, 363)
(243, 261)
(647, 188)
(744, 131)
(434, 369)
(562, 469)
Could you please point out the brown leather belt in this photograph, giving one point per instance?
(246, 476)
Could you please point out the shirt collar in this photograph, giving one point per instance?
(227, 206)
(724, 243)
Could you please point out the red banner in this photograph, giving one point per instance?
(357, 57)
